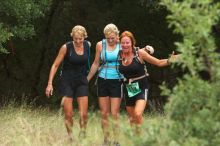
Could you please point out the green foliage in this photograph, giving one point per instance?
(4, 36)
(16, 18)
(193, 109)
(194, 20)
(146, 21)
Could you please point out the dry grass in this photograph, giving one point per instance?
(25, 126)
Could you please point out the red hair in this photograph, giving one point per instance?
(130, 35)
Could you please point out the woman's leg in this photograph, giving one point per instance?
(135, 114)
(115, 109)
(68, 112)
(138, 111)
(131, 115)
(104, 104)
(138, 114)
(83, 113)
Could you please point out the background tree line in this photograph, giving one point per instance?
(34, 32)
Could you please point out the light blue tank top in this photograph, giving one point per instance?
(109, 67)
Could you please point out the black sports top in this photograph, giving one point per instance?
(134, 69)
(75, 63)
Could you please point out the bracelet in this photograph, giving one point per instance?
(49, 83)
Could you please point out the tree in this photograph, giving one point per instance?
(17, 17)
(30, 64)
(193, 117)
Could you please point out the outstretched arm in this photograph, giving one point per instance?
(144, 56)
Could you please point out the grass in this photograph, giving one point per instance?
(25, 126)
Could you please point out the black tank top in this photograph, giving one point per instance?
(134, 69)
(74, 63)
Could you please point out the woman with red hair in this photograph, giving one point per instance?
(131, 65)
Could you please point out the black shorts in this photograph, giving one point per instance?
(130, 101)
(71, 87)
(143, 95)
(109, 87)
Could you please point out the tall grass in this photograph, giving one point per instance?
(27, 126)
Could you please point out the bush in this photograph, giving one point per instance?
(193, 117)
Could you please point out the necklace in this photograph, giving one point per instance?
(126, 59)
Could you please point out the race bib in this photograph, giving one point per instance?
(133, 89)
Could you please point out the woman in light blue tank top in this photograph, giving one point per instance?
(109, 80)
(108, 69)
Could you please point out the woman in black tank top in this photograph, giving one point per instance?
(73, 79)
(136, 84)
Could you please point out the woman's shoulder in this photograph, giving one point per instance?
(141, 51)
(99, 43)
(63, 48)
(68, 44)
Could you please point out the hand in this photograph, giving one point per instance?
(49, 90)
(173, 58)
(149, 49)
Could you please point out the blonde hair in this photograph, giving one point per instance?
(111, 28)
(79, 29)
